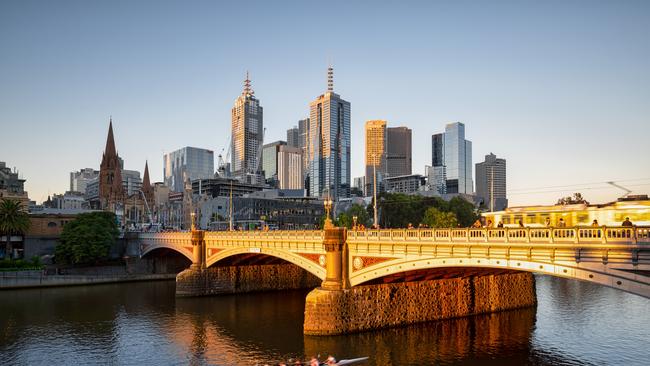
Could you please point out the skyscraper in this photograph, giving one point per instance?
(293, 137)
(398, 151)
(375, 154)
(247, 135)
(303, 132)
(187, 163)
(329, 140)
(455, 153)
(389, 148)
(491, 182)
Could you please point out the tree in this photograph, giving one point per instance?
(13, 221)
(439, 219)
(87, 238)
(572, 200)
(464, 210)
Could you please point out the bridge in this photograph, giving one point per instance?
(348, 262)
(616, 257)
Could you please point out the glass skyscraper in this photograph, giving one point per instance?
(329, 144)
(189, 162)
(454, 153)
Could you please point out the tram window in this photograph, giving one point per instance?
(507, 219)
(531, 219)
(582, 218)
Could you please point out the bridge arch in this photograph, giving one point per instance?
(286, 255)
(590, 272)
(185, 250)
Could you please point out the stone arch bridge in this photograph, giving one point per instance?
(616, 257)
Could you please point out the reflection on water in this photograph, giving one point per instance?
(142, 323)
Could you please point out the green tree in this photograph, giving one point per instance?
(464, 210)
(87, 238)
(13, 221)
(435, 218)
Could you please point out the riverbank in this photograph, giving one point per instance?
(32, 279)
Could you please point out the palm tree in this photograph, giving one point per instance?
(13, 221)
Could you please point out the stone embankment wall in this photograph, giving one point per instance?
(27, 279)
(387, 305)
(240, 279)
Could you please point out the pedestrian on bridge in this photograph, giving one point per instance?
(627, 222)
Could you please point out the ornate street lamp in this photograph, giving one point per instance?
(354, 222)
(328, 207)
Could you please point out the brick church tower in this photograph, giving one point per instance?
(111, 190)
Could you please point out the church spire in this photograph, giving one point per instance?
(110, 141)
(145, 179)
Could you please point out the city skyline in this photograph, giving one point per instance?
(553, 120)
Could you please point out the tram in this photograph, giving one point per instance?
(637, 208)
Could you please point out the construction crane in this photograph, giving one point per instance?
(223, 163)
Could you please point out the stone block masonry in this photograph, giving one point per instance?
(371, 307)
(241, 279)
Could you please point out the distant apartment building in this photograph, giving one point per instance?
(131, 181)
(491, 183)
(187, 163)
(303, 136)
(452, 152)
(436, 179)
(270, 160)
(67, 201)
(289, 164)
(404, 184)
(81, 178)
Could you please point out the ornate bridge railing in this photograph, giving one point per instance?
(574, 235)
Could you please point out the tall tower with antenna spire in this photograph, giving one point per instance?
(247, 130)
(329, 144)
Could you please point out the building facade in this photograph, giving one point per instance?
(404, 183)
(270, 160)
(247, 135)
(80, 179)
(289, 163)
(293, 137)
(12, 186)
(454, 153)
(398, 151)
(187, 163)
(375, 154)
(491, 182)
(303, 135)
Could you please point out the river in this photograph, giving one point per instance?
(574, 323)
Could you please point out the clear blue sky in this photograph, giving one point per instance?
(561, 89)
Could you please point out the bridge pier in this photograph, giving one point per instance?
(369, 307)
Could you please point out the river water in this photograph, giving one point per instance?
(574, 323)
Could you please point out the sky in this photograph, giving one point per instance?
(560, 89)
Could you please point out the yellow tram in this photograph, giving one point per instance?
(637, 208)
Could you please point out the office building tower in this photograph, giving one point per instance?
(388, 152)
(270, 159)
(131, 181)
(375, 154)
(79, 179)
(329, 144)
(293, 137)
(290, 167)
(398, 151)
(303, 135)
(491, 182)
(12, 186)
(454, 153)
(187, 163)
(247, 135)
